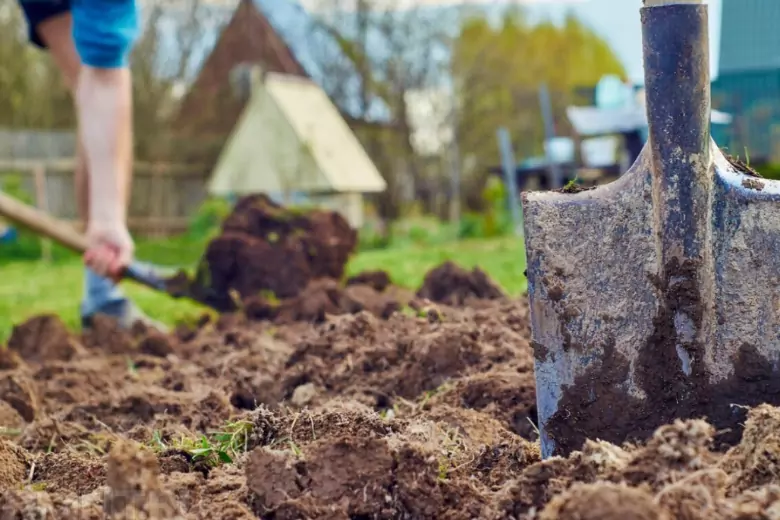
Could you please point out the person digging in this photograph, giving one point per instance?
(90, 42)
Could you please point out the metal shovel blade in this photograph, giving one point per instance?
(657, 297)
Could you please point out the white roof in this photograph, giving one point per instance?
(629, 116)
(291, 137)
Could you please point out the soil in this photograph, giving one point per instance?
(426, 412)
(452, 285)
(266, 249)
(742, 167)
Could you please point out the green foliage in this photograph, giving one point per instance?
(499, 68)
(221, 447)
(370, 238)
(209, 217)
(34, 96)
(472, 225)
(496, 217)
(770, 171)
(419, 235)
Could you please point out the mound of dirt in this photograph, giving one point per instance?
(264, 248)
(450, 284)
(373, 291)
(43, 338)
(603, 502)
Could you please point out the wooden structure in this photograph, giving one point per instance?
(278, 36)
(290, 141)
(164, 196)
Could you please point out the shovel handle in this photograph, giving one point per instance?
(63, 233)
(42, 223)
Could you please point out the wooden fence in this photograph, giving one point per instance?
(163, 200)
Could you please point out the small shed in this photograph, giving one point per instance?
(292, 143)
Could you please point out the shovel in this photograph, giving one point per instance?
(657, 297)
(159, 279)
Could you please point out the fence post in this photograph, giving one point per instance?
(158, 185)
(42, 201)
(509, 165)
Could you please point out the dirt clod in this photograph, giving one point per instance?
(603, 502)
(378, 280)
(43, 338)
(453, 285)
(13, 465)
(135, 491)
(267, 249)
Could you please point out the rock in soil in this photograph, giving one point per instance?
(333, 415)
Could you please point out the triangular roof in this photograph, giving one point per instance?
(292, 138)
(311, 44)
(283, 37)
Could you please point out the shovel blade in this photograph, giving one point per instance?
(656, 297)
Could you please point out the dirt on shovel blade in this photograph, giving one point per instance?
(425, 412)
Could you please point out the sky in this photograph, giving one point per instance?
(615, 20)
(618, 22)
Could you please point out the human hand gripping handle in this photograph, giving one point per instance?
(110, 248)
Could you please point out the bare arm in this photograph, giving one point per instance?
(105, 114)
(104, 101)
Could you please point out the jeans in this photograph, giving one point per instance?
(101, 295)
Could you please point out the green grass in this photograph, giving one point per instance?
(28, 287)
(502, 258)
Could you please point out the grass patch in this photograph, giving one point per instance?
(221, 447)
(502, 258)
(32, 287)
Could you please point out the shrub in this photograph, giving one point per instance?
(209, 217)
(25, 245)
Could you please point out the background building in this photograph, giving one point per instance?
(748, 83)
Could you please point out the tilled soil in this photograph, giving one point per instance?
(424, 412)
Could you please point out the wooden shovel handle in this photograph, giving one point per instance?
(42, 223)
(65, 234)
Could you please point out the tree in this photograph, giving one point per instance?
(34, 95)
(174, 38)
(498, 71)
(394, 52)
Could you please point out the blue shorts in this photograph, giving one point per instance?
(104, 31)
